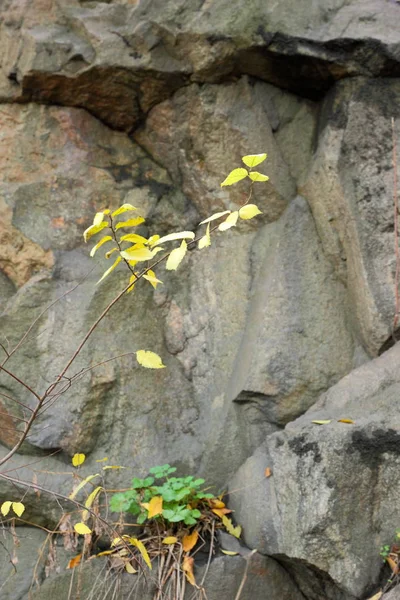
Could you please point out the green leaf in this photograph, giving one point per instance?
(176, 257)
(103, 240)
(256, 176)
(180, 235)
(118, 260)
(235, 176)
(252, 160)
(130, 223)
(122, 209)
(148, 359)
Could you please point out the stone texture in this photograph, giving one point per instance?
(331, 500)
(21, 561)
(350, 190)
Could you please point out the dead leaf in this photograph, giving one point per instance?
(129, 568)
(349, 421)
(216, 503)
(323, 422)
(235, 531)
(189, 541)
(74, 562)
(229, 552)
(170, 540)
(187, 566)
(268, 472)
(376, 596)
(221, 511)
(393, 565)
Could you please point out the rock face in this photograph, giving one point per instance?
(285, 319)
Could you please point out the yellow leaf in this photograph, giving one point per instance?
(229, 221)
(215, 216)
(216, 503)
(93, 229)
(252, 160)
(74, 562)
(18, 508)
(129, 568)
(323, 422)
(132, 280)
(103, 240)
(221, 511)
(82, 529)
(151, 277)
(145, 505)
(81, 485)
(155, 506)
(134, 238)
(89, 501)
(149, 359)
(98, 218)
(137, 254)
(105, 553)
(189, 541)
(116, 541)
(180, 235)
(187, 566)
(229, 552)
(235, 176)
(376, 596)
(170, 540)
(113, 467)
(256, 176)
(130, 223)
(102, 459)
(205, 241)
(249, 211)
(152, 239)
(236, 531)
(78, 459)
(108, 254)
(349, 421)
(268, 472)
(176, 257)
(122, 209)
(5, 508)
(142, 549)
(118, 260)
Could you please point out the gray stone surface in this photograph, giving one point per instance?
(331, 500)
(350, 190)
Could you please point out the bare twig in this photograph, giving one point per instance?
(396, 230)
(244, 578)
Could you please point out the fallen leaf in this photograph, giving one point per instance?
(129, 568)
(349, 421)
(142, 549)
(74, 562)
(229, 552)
(216, 503)
(82, 529)
(235, 531)
(170, 540)
(376, 596)
(189, 541)
(78, 459)
(323, 422)
(187, 566)
(221, 511)
(267, 472)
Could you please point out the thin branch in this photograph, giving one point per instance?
(26, 386)
(396, 230)
(17, 402)
(244, 578)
